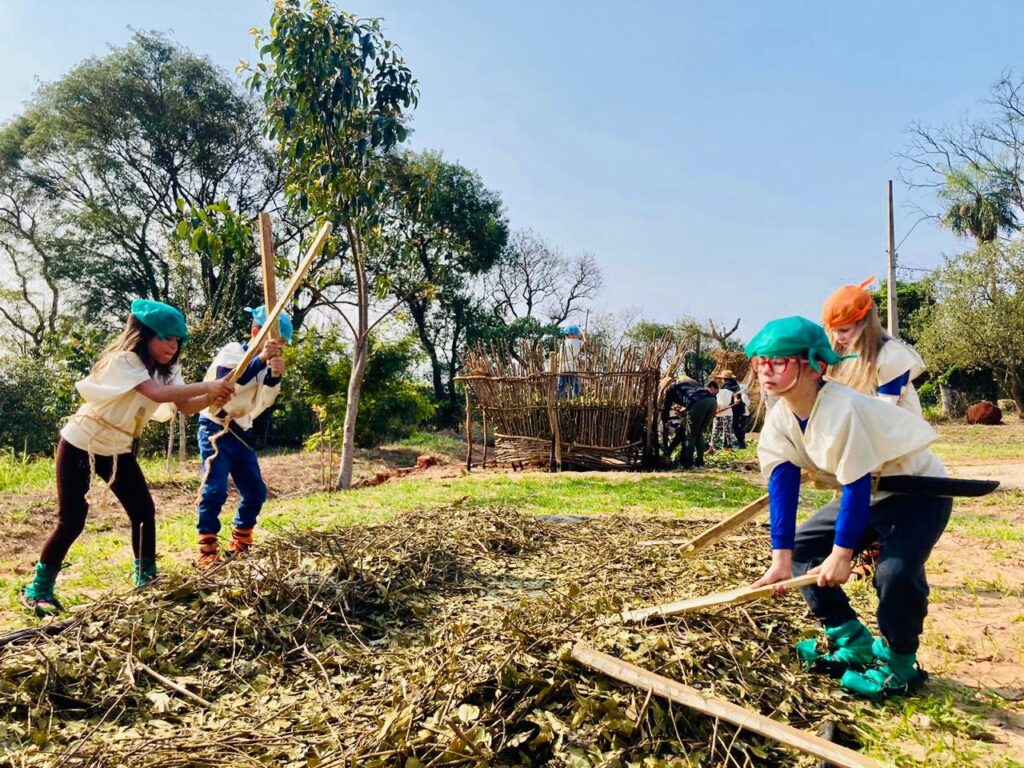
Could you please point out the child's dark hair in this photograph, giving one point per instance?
(135, 338)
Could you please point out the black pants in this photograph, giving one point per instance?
(739, 427)
(73, 483)
(908, 527)
(699, 416)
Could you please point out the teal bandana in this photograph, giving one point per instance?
(163, 319)
(794, 337)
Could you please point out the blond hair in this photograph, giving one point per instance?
(861, 373)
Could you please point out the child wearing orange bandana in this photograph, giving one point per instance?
(883, 366)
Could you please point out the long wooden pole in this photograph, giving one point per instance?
(286, 296)
(891, 309)
(747, 719)
(715, 532)
(269, 282)
(729, 597)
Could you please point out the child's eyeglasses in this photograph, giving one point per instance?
(772, 364)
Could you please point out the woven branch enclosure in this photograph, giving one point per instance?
(610, 424)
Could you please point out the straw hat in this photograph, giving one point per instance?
(728, 374)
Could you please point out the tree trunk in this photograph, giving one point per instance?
(355, 391)
(360, 354)
(419, 318)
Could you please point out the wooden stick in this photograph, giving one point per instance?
(269, 284)
(469, 432)
(747, 719)
(289, 291)
(729, 597)
(715, 532)
(167, 683)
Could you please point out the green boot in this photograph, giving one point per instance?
(894, 674)
(849, 647)
(145, 571)
(38, 596)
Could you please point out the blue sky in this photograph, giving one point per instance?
(720, 159)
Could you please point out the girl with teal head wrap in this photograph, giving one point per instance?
(828, 429)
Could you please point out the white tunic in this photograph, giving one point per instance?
(114, 412)
(894, 359)
(250, 399)
(849, 435)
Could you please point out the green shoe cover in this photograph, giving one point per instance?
(38, 595)
(894, 674)
(849, 646)
(145, 571)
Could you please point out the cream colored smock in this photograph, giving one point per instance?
(849, 435)
(114, 412)
(250, 399)
(894, 359)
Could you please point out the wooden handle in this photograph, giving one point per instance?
(747, 719)
(267, 257)
(716, 532)
(729, 597)
(289, 291)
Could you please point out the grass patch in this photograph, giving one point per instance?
(963, 442)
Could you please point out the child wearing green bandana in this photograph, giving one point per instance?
(137, 378)
(834, 432)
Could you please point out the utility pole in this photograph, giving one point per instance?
(893, 324)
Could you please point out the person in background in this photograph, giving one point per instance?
(568, 360)
(740, 407)
(721, 429)
(699, 406)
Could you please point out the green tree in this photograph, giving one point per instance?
(975, 166)
(111, 147)
(977, 319)
(336, 93)
(912, 299)
(444, 228)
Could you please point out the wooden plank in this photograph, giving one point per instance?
(289, 291)
(269, 282)
(715, 532)
(729, 597)
(749, 720)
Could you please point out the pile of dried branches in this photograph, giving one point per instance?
(440, 638)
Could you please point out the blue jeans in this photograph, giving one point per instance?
(238, 460)
(568, 382)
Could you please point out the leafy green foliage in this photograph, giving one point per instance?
(977, 320)
(393, 405)
(335, 92)
(113, 146)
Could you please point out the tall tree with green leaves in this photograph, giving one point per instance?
(111, 148)
(336, 94)
(444, 228)
(977, 319)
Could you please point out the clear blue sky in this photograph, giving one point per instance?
(720, 159)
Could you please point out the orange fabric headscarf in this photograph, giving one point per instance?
(848, 305)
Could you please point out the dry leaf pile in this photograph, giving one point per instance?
(438, 639)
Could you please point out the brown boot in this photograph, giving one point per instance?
(241, 541)
(208, 546)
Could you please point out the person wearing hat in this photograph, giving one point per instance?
(882, 365)
(830, 430)
(135, 379)
(232, 453)
(568, 354)
(699, 407)
(740, 401)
